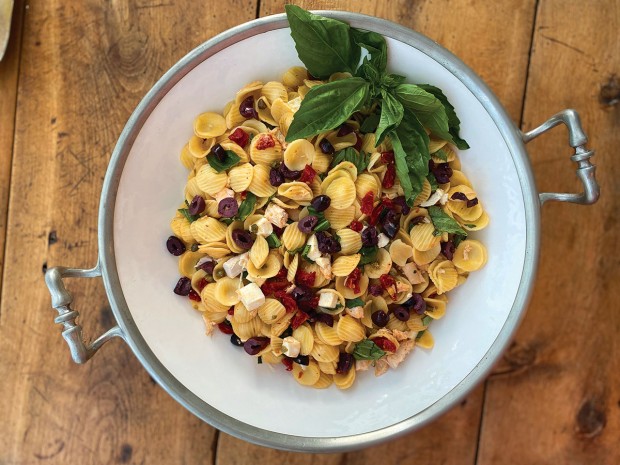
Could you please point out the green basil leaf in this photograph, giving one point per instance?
(367, 350)
(369, 72)
(369, 255)
(391, 81)
(370, 124)
(327, 106)
(226, 221)
(360, 160)
(297, 250)
(430, 177)
(357, 302)
(324, 45)
(454, 124)
(441, 154)
(246, 207)
(186, 214)
(410, 144)
(391, 115)
(443, 223)
(375, 45)
(419, 335)
(273, 241)
(304, 253)
(426, 320)
(229, 161)
(457, 239)
(323, 225)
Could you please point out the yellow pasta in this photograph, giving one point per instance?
(210, 181)
(271, 311)
(260, 184)
(305, 337)
(470, 255)
(343, 266)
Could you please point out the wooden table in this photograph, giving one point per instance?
(74, 72)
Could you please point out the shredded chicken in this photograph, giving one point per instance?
(381, 367)
(209, 325)
(466, 251)
(412, 273)
(356, 312)
(403, 350)
(362, 365)
(402, 335)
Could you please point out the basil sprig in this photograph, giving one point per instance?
(369, 255)
(443, 223)
(357, 302)
(229, 161)
(246, 207)
(367, 350)
(393, 109)
(188, 216)
(360, 160)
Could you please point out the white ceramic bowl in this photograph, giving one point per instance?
(217, 381)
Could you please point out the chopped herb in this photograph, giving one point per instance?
(186, 214)
(470, 225)
(297, 250)
(430, 177)
(441, 154)
(273, 241)
(369, 255)
(226, 220)
(443, 223)
(230, 160)
(419, 335)
(260, 360)
(360, 160)
(357, 302)
(304, 253)
(426, 320)
(246, 207)
(322, 226)
(367, 350)
(457, 239)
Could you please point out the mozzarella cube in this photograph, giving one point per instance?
(383, 240)
(276, 215)
(224, 194)
(291, 346)
(328, 300)
(314, 253)
(235, 266)
(263, 227)
(251, 296)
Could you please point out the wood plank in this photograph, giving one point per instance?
(9, 69)
(558, 399)
(478, 36)
(85, 65)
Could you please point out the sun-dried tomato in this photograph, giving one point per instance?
(239, 137)
(288, 363)
(353, 280)
(376, 214)
(367, 202)
(265, 141)
(299, 319)
(193, 295)
(273, 285)
(389, 177)
(201, 284)
(388, 203)
(309, 305)
(307, 175)
(385, 344)
(389, 284)
(282, 273)
(243, 195)
(356, 226)
(231, 311)
(304, 278)
(225, 327)
(387, 157)
(358, 142)
(289, 303)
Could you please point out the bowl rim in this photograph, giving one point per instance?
(512, 137)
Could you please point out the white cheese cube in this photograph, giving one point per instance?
(291, 346)
(224, 194)
(383, 240)
(251, 296)
(325, 266)
(328, 300)
(314, 253)
(276, 215)
(234, 266)
(263, 227)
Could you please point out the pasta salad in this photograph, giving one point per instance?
(326, 215)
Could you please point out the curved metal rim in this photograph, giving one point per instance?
(202, 409)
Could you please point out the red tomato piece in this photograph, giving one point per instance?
(193, 295)
(307, 175)
(385, 344)
(304, 278)
(387, 157)
(299, 319)
(353, 280)
(225, 327)
(265, 141)
(389, 177)
(356, 226)
(288, 363)
(367, 202)
(239, 137)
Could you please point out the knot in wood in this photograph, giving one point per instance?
(609, 94)
(591, 419)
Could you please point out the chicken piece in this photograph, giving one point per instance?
(403, 350)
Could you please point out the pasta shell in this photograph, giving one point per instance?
(259, 252)
(240, 177)
(271, 311)
(280, 109)
(458, 178)
(382, 266)
(325, 380)
(212, 305)
(460, 208)
(339, 219)
(424, 258)
(182, 228)
(252, 89)
(214, 249)
(300, 192)
(294, 77)
(308, 376)
(263, 108)
(199, 147)
(265, 149)
(350, 293)
(241, 313)
(424, 194)
(470, 255)
(269, 269)
(444, 275)
(344, 265)
(298, 154)
(327, 367)
(211, 181)
(292, 237)
(260, 185)
(436, 144)
(187, 263)
(327, 334)
(186, 157)
(273, 90)
(278, 328)
(350, 241)
(400, 252)
(206, 229)
(426, 341)
(423, 238)
(342, 192)
(226, 291)
(346, 380)
(292, 269)
(477, 224)
(208, 125)
(435, 308)
(324, 353)
(350, 329)
(232, 245)
(305, 337)
(367, 183)
(347, 168)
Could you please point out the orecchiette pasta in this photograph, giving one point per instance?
(311, 259)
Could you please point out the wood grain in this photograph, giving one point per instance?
(9, 75)
(558, 399)
(85, 66)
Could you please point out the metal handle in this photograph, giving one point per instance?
(61, 301)
(585, 170)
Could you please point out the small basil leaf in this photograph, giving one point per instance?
(273, 241)
(454, 124)
(370, 124)
(229, 161)
(426, 320)
(391, 115)
(391, 81)
(186, 214)
(419, 335)
(323, 225)
(375, 45)
(369, 255)
(411, 155)
(457, 239)
(367, 350)
(304, 253)
(246, 207)
(443, 223)
(327, 106)
(360, 160)
(430, 177)
(357, 302)
(324, 45)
